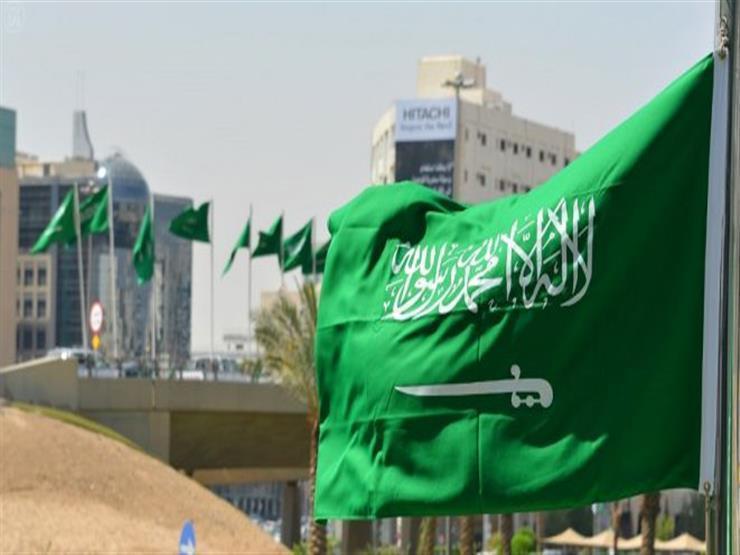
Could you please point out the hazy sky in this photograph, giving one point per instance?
(274, 104)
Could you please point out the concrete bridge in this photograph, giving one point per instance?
(216, 432)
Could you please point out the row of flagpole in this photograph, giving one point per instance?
(192, 224)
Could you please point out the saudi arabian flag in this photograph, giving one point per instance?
(192, 224)
(61, 227)
(243, 242)
(538, 351)
(143, 253)
(269, 241)
(320, 256)
(298, 248)
(94, 213)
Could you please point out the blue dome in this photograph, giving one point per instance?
(128, 183)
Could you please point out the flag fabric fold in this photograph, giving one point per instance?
(143, 252)
(269, 242)
(94, 213)
(535, 352)
(298, 248)
(61, 227)
(243, 242)
(192, 224)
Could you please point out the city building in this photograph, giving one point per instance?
(8, 235)
(173, 280)
(461, 138)
(48, 293)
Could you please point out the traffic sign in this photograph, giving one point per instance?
(187, 539)
(95, 318)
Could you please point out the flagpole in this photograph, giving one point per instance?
(249, 285)
(154, 289)
(113, 268)
(313, 249)
(213, 356)
(280, 260)
(80, 270)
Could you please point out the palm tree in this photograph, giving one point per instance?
(648, 515)
(285, 331)
(616, 523)
(427, 536)
(466, 535)
(507, 532)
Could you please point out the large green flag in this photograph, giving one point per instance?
(61, 227)
(538, 351)
(243, 242)
(94, 213)
(298, 248)
(143, 253)
(320, 255)
(268, 242)
(192, 224)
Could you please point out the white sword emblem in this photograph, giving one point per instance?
(541, 387)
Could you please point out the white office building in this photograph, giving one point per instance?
(464, 140)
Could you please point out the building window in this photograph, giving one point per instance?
(515, 187)
(28, 308)
(501, 184)
(41, 308)
(41, 277)
(18, 276)
(502, 145)
(542, 155)
(465, 176)
(553, 159)
(27, 342)
(41, 339)
(566, 161)
(483, 139)
(529, 151)
(481, 177)
(516, 148)
(28, 277)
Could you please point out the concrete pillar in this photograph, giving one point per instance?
(290, 532)
(356, 536)
(409, 534)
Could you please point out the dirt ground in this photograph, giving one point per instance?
(66, 489)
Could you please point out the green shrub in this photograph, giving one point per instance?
(523, 542)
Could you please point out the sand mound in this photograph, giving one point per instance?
(66, 489)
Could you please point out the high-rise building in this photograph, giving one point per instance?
(463, 139)
(8, 235)
(173, 280)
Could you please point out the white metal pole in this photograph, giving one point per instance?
(249, 285)
(113, 271)
(155, 286)
(80, 269)
(282, 253)
(213, 354)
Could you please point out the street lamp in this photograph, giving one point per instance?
(458, 82)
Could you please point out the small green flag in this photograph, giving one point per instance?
(192, 224)
(320, 256)
(61, 227)
(143, 253)
(269, 241)
(298, 248)
(243, 242)
(535, 352)
(94, 213)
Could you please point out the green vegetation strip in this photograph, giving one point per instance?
(76, 420)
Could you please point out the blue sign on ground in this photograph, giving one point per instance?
(187, 539)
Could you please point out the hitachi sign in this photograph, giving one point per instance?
(426, 113)
(433, 119)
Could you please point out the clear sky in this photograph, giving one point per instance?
(274, 104)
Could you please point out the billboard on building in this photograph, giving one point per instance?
(425, 142)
